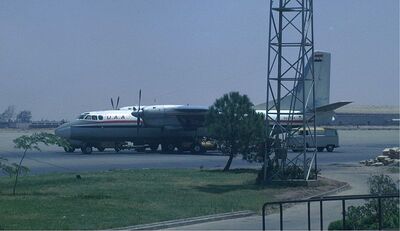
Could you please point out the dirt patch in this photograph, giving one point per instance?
(321, 187)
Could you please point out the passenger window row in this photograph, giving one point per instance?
(94, 117)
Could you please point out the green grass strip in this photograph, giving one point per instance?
(112, 199)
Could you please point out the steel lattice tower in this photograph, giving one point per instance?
(290, 90)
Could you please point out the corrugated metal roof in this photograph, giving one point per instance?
(260, 106)
(359, 109)
(368, 109)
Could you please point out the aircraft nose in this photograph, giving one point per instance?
(63, 131)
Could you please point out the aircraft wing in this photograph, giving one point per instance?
(191, 109)
(331, 107)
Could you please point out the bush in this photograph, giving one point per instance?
(366, 216)
(335, 225)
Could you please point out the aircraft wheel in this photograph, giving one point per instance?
(320, 149)
(168, 147)
(180, 148)
(330, 148)
(86, 149)
(197, 148)
(69, 149)
(153, 147)
(117, 149)
(101, 149)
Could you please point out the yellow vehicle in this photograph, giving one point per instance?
(209, 144)
(201, 146)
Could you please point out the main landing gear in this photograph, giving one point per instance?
(86, 149)
(167, 147)
(69, 149)
(195, 148)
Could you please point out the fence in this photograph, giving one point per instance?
(328, 198)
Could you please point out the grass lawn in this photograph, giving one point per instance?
(394, 169)
(121, 198)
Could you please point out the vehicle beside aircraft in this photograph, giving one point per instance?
(326, 138)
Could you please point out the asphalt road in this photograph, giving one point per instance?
(356, 145)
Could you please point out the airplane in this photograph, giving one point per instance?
(174, 126)
(180, 126)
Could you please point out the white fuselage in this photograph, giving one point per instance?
(286, 116)
(124, 115)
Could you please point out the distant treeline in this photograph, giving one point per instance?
(23, 119)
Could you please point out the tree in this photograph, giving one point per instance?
(32, 142)
(366, 216)
(233, 122)
(6, 168)
(24, 116)
(8, 114)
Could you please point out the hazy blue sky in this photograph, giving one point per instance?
(59, 58)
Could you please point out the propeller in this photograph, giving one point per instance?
(138, 114)
(115, 107)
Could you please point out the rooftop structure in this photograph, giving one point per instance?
(368, 109)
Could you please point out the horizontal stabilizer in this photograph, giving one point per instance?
(331, 107)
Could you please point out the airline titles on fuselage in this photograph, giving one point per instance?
(107, 116)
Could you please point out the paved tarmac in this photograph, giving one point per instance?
(355, 146)
(341, 165)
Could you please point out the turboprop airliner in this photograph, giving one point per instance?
(172, 126)
(176, 126)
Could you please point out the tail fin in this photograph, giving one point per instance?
(322, 72)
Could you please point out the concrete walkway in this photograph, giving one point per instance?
(295, 217)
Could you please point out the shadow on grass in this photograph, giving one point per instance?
(28, 187)
(252, 185)
(85, 196)
(64, 179)
(34, 193)
(234, 171)
(218, 189)
(94, 196)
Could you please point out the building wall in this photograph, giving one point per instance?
(365, 119)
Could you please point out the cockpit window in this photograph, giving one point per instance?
(100, 117)
(94, 117)
(88, 117)
(82, 116)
